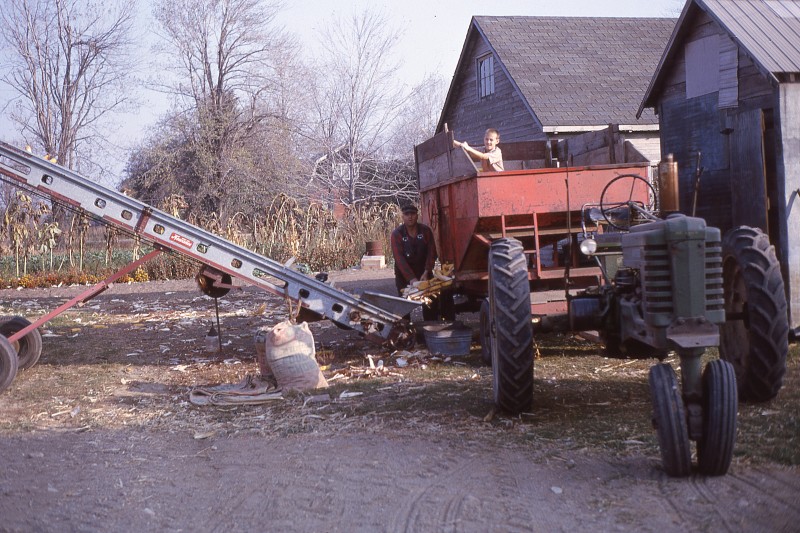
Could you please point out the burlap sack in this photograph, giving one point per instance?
(289, 353)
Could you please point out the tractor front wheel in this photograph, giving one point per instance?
(511, 337)
(755, 335)
(720, 403)
(669, 420)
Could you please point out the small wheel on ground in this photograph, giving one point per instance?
(29, 347)
(720, 403)
(485, 332)
(511, 337)
(755, 336)
(402, 337)
(669, 420)
(8, 363)
(206, 277)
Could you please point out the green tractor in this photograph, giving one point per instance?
(671, 285)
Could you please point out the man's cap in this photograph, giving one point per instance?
(410, 209)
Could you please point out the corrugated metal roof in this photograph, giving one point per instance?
(579, 71)
(769, 30)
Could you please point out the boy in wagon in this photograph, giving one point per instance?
(491, 158)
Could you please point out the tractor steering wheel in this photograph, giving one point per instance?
(623, 210)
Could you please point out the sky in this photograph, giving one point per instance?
(433, 33)
(434, 30)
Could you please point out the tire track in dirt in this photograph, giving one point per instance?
(725, 503)
(458, 489)
(755, 480)
(364, 482)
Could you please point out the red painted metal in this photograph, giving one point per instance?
(468, 212)
(484, 203)
(85, 296)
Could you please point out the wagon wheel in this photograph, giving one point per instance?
(620, 214)
(511, 337)
(205, 281)
(485, 332)
(669, 420)
(720, 402)
(29, 347)
(8, 363)
(754, 337)
(402, 337)
(433, 219)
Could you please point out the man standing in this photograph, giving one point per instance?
(414, 252)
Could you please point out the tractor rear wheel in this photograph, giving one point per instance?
(720, 403)
(511, 337)
(29, 347)
(486, 332)
(669, 420)
(755, 336)
(8, 363)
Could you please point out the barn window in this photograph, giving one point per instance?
(486, 76)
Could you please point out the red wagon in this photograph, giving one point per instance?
(531, 201)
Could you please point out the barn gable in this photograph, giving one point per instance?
(554, 76)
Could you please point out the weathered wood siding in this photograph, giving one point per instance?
(700, 125)
(748, 135)
(788, 166)
(468, 115)
(603, 147)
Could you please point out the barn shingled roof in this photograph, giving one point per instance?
(579, 71)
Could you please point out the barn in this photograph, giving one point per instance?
(554, 78)
(727, 96)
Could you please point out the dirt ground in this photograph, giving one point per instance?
(100, 435)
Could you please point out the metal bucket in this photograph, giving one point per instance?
(452, 339)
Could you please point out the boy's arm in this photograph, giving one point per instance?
(472, 151)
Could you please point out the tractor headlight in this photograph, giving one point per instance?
(588, 247)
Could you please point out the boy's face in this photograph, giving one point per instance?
(490, 140)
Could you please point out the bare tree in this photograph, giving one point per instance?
(355, 101)
(68, 61)
(420, 115)
(229, 64)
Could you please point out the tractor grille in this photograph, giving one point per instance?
(656, 280)
(715, 297)
(657, 287)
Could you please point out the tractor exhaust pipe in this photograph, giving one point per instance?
(668, 186)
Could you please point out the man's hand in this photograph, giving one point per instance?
(424, 276)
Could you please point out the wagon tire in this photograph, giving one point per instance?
(511, 334)
(29, 347)
(720, 403)
(8, 363)
(485, 332)
(755, 336)
(669, 420)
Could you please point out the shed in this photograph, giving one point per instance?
(727, 96)
(552, 78)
